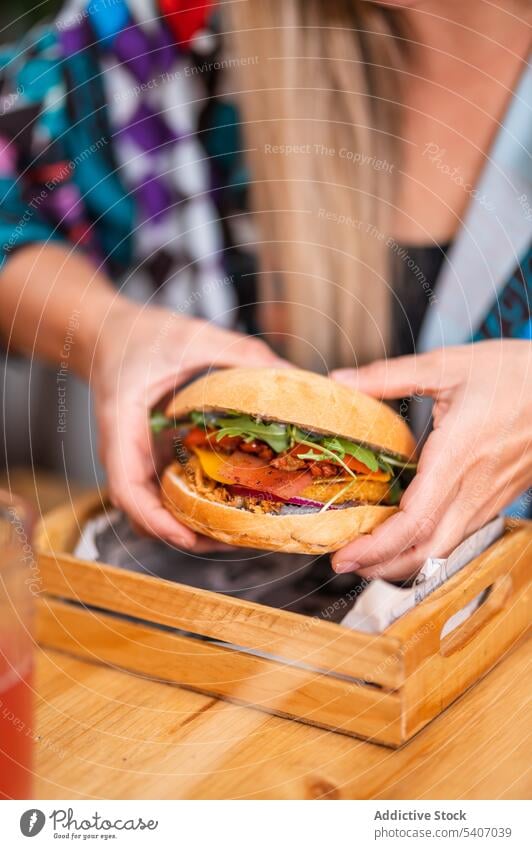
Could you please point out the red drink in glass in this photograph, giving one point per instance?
(16, 733)
(17, 585)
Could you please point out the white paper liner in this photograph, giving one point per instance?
(381, 603)
(86, 549)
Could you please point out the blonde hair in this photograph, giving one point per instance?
(322, 155)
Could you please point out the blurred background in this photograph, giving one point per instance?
(29, 437)
(171, 272)
(17, 16)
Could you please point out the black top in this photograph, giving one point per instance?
(414, 272)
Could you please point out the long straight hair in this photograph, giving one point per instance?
(318, 87)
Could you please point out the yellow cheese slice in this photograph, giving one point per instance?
(212, 464)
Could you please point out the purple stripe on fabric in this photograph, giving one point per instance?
(75, 38)
(165, 50)
(154, 199)
(135, 51)
(148, 130)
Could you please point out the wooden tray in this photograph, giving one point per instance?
(382, 687)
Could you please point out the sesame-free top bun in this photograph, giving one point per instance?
(298, 397)
(306, 533)
(313, 403)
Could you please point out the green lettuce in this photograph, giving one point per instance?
(159, 422)
(281, 437)
(273, 434)
(344, 446)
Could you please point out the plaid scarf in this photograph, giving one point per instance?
(154, 103)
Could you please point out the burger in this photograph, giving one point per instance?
(283, 459)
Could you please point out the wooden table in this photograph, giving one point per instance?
(109, 734)
(104, 733)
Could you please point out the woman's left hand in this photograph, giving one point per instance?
(476, 460)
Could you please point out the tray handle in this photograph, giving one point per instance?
(497, 595)
(504, 570)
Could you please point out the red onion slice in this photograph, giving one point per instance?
(268, 496)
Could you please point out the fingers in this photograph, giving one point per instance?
(123, 416)
(436, 513)
(422, 508)
(252, 352)
(404, 567)
(224, 349)
(471, 466)
(130, 470)
(394, 537)
(422, 374)
(477, 496)
(143, 506)
(213, 349)
(202, 545)
(206, 545)
(130, 467)
(134, 385)
(406, 564)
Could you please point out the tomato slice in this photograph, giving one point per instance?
(198, 438)
(358, 467)
(351, 463)
(250, 471)
(194, 437)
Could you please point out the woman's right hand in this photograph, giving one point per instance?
(142, 354)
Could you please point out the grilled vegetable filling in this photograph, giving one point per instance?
(251, 462)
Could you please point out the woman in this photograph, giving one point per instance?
(390, 160)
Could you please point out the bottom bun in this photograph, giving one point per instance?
(304, 533)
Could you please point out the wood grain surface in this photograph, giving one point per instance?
(274, 687)
(104, 733)
(295, 679)
(109, 734)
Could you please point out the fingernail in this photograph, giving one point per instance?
(184, 543)
(345, 566)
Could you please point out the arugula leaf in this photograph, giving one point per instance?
(273, 434)
(340, 447)
(395, 492)
(326, 453)
(311, 455)
(280, 437)
(394, 461)
(203, 419)
(386, 467)
(298, 435)
(159, 422)
(344, 446)
(334, 444)
(197, 418)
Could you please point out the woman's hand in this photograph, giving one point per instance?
(476, 461)
(132, 356)
(142, 354)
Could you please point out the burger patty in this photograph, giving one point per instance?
(361, 491)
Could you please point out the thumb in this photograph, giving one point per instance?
(421, 374)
